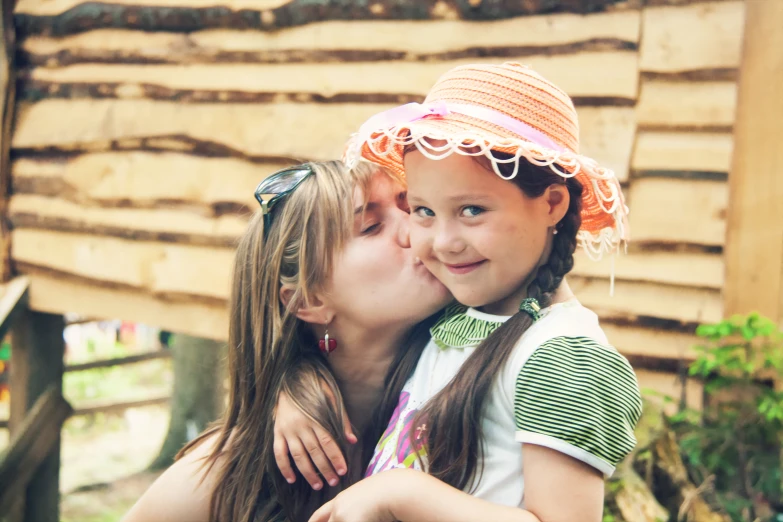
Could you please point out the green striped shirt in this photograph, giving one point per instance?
(580, 397)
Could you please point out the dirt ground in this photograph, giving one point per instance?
(104, 461)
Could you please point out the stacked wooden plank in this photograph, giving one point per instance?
(677, 189)
(143, 128)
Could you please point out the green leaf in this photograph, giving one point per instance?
(719, 383)
(706, 330)
(725, 329)
(748, 333)
(699, 367)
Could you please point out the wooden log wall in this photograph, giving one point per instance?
(142, 129)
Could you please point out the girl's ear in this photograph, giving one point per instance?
(558, 199)
(315, 312)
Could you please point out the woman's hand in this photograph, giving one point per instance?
(310, 445)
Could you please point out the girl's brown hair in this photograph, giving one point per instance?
(453, 416)
(271, 350)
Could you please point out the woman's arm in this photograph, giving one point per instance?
(182, 493)
(558, 488)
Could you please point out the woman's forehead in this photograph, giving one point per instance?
(381, 188)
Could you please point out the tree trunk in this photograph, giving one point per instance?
(198, 395)
(666, 493)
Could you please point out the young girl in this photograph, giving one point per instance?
(518, 399)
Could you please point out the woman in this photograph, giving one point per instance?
(327, 259)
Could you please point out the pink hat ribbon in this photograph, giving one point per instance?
(411, 112)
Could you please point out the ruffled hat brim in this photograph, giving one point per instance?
(384, 138)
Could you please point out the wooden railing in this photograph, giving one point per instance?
(39, 411)
(29, 468)
(31, 444)
(103, 406)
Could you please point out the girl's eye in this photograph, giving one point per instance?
(472, 211)
(423, 212)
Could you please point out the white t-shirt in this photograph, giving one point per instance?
(562, 387)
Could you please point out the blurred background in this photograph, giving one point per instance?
(134, 133)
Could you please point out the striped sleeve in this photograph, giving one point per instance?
(579, 397)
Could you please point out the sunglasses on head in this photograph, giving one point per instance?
(277, 187)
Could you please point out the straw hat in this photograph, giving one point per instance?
(481, 108)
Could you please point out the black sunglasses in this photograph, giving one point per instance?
(278, 186)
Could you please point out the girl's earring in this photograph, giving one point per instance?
(554, 231)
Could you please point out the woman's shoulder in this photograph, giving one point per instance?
(184, 491)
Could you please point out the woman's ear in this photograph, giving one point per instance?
(558, 199)
(315, 312)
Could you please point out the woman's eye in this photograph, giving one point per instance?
(370, 229)
(472, 211)
(423, 212)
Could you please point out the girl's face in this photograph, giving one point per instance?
(479, 234)
(377, 280)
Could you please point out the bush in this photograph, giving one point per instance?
(735, 442)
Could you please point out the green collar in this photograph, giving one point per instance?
(460, 329)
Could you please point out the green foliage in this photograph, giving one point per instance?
(737, 437)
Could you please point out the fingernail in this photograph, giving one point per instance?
(333, 482)
(317, 486)
(341, 472)
(290, 480)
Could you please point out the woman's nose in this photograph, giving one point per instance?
(404, 230)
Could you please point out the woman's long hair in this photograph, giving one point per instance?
(271, 350)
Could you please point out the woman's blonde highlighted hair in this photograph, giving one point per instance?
(271, 350)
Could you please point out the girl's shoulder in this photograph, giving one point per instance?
(564, 373)
(561, 327)
(562, 320)
(566, 332)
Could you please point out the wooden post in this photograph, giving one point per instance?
(754, 240)
(7, 99)
(37, 349)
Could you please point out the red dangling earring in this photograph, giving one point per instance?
(327, 345)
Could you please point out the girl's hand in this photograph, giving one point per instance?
(309, 444)
(368, 500)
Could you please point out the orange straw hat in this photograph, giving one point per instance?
(481, 108)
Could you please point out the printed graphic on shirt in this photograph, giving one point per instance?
(395, 449)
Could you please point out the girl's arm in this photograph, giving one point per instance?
(309, 444)
(558, 488)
